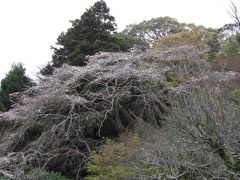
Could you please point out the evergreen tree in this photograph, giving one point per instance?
(93, 32)
(89, 34)
(15, 81)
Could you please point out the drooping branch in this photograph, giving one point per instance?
(234, 13)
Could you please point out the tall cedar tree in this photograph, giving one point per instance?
(91, 33)
(15, 81)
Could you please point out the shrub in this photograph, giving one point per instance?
(172, 79)
(31, 172)
(231, 46)
(107, 162)
(236, 94)
(214, 46)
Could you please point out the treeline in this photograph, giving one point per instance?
(96, 31)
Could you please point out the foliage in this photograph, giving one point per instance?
(124, 42)
(196, 36)
(4, 178)
(236, 94)
(228, 30)
(89, 34)
(14, 81)
(230, 33)
(47, 69)
(238, 37)
(107, 162)
(92, 33)
(214, 46)
(2, 107)
(171, 80)
(231, 46)
(151, 30)
(175, 40)
(31, 172)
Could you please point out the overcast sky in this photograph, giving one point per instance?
(29, 27)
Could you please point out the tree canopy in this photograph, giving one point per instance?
(151, 30)
(89, 34)
(14, 81)
(93, 32)
(193, 35)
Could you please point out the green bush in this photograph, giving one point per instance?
(107, 162)
(231, 46)
(4, 178)
(41, 174)
(236, 94)
(214, 47)
(171, 80)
